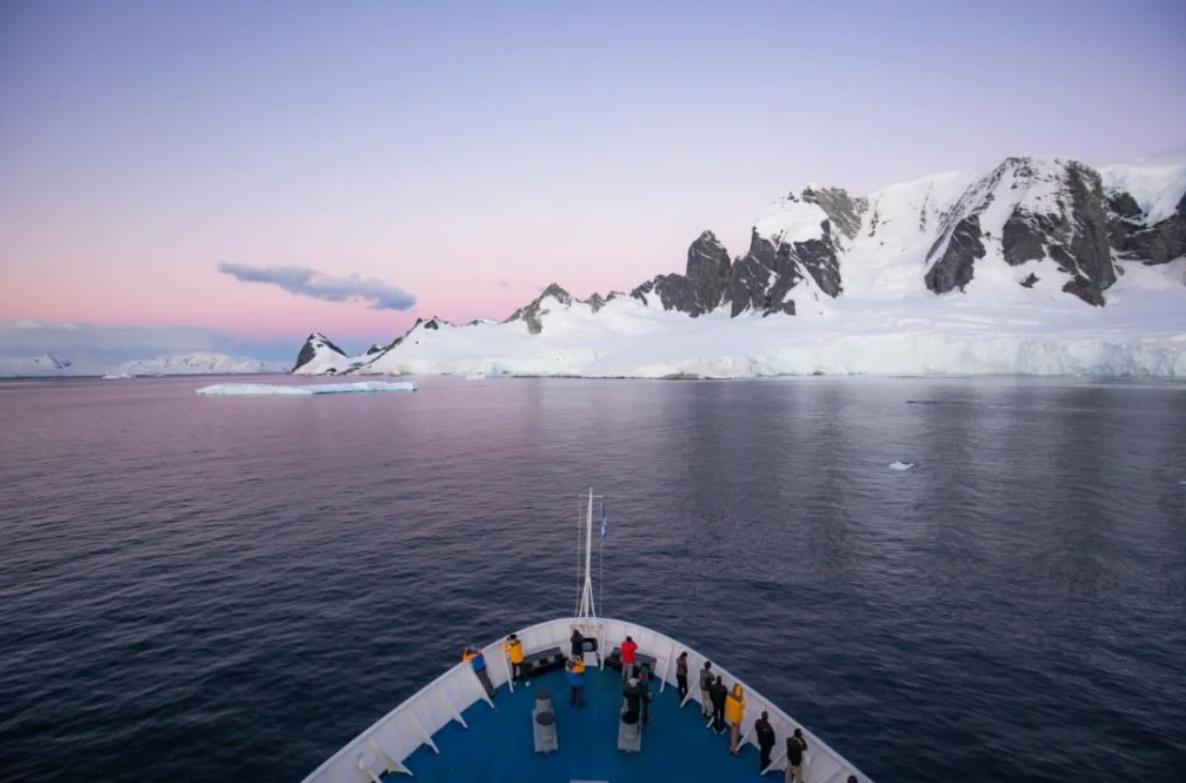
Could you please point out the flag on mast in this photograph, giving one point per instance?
(604, 523)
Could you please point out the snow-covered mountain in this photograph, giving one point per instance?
(197, 363)
(1041, 265)
(35, 366)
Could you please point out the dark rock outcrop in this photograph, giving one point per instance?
(1075, 235)
(843, 211)
(1133, 239)
(953, 268)
(702, 288)
(756, 283)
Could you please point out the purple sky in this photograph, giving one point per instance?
(155, 155)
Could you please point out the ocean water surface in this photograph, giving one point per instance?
(218, 589)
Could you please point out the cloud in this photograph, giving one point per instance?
(317, 285)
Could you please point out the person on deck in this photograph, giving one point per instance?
(735, 709)
(644, 685)
(578, 642)
(475, 658)
(706, 689)
(795, 747)
(765, 734)
(576, 681)
(681, 675)
(633, 694)
(629, 648)
(513, 647)
(718, 694)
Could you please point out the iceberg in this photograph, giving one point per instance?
(901, 465)
(302, 390)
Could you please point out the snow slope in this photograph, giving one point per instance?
(1157, 184)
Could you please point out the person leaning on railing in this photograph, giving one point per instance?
(473, 655)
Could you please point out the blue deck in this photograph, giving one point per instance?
(498, 745)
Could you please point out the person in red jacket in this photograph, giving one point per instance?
(628, 650)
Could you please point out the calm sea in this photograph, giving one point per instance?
(227, 589)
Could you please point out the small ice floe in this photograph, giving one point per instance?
(278, 389)
(901, 465)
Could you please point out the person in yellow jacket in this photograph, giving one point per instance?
(735, 714)
(513, 647)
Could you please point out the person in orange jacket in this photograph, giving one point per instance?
(513, 647)
(735, 714)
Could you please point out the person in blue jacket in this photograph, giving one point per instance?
(478, 661)
(576, 681)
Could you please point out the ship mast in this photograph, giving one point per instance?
(587, 607)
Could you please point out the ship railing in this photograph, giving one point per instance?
(388, 743)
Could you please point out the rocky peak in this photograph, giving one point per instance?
(316, 344)
(532, 312)
(703, 286)
(1035, 209)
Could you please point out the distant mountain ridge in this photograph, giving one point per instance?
(191, 363)
(1031, 230)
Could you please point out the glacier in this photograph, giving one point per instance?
(291, 390)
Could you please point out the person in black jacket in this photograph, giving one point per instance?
(633, 694)
(578, 643)
(718, 694)
(765, 734)
(795, 747)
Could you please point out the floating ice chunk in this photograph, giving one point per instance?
(260, 389)
(901, 465)
(475, 376)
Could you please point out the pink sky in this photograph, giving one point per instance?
(472, 158)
